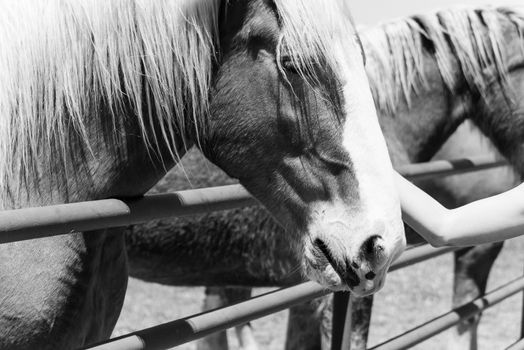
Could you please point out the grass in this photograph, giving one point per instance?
(411, 296)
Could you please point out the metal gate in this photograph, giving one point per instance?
(31, 223)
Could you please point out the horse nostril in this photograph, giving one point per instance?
(372, 246)
(370, 275)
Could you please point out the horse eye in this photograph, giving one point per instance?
(289, 65)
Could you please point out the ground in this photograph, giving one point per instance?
(410, 297)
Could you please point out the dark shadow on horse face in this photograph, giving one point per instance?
(309, 148)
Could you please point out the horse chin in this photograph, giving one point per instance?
(366, 288)
(323, 274)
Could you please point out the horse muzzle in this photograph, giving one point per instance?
(351, 262)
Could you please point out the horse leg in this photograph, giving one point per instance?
(304, 326)
(244, 332)
(310, 324)
(222, 296)
(360, 319)
(213, 299)
(472, 267)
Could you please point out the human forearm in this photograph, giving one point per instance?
(489, 220)
(421, 212)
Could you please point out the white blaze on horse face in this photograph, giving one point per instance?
(347, 230)
(378, 197)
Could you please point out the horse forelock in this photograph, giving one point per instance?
(471, 37)
(60, 59)
(311, 32)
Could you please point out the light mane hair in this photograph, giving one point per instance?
(313, 31)
(471, 37)
(63, 60)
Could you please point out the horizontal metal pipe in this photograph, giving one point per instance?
(419, 254)
(181, 331)
(191, 328)
(450, 319)
(438, 168)
(31, 223)
(519, 345)
(184, 330)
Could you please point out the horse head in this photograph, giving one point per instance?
(292, 117)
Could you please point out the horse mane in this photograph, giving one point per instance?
(473, 38)
(63, 60)
(313, 30)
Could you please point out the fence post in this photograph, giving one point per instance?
(522, 317)
(341, 325)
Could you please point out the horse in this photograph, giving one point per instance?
(428, 75)
(99, 99)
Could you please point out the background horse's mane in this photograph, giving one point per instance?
(454, 36)
(62, 60)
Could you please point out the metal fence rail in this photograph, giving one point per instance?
(519, 345)
(31, 223)
(191, 328)
(439, 168)
(450, 319)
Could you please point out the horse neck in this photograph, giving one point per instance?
(110, 166)
(499, 114)
(416, 121)
(429, 83)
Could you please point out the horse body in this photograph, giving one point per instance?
(425, 85)
(99, 99)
